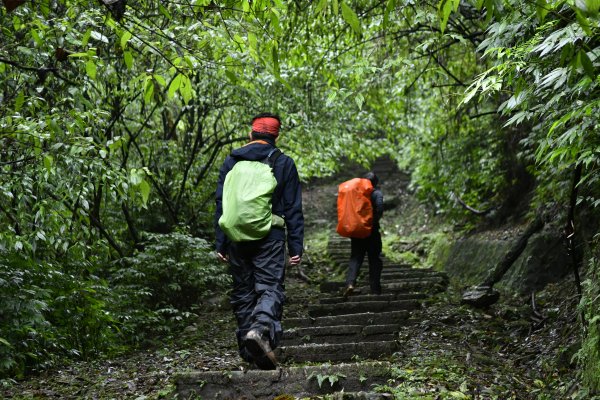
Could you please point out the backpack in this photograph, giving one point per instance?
(247, 194)
(354, 208)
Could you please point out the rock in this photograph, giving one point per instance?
(480, 296)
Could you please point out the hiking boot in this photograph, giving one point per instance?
(260, 349)
(348, 291)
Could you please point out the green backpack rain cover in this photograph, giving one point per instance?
(247, 194)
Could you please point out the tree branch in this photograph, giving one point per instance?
(469, 208)
(93, 222)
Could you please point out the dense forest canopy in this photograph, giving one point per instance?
(115, 115)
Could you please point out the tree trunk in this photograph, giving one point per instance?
(515, 251)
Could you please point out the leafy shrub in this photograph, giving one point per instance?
(49, 313)
(589, 354)
(162, 287)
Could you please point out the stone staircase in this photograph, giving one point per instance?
(350, 339)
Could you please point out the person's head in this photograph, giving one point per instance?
(265, 126)
(372, 177)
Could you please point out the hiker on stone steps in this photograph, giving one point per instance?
(258, 196)
(371, 245)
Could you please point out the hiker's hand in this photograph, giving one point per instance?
(222, 257)
(296, 260)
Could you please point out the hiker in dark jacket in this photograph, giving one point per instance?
(258, 267)
(370, 245)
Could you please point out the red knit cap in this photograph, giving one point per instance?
(268, 125)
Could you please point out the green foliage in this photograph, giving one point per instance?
(416, 380)
(589, 354)
(548, 71)
(438, 250)
(332, 379)
(162, 287)
(50, 312)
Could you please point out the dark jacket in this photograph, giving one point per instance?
(377, 203)
(286, 201)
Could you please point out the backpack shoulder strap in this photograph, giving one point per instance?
(273, 156)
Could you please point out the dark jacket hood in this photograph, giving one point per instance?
(253, 151)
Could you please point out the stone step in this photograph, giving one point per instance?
(357, 307)
(393, 274)
(344, 260)
(368, 318)
(396, 285)
(373, 297)
(387, 269)
(339, 334)
(361, 396)
(336, 352)
(354, 379)
(389, 277)
(341, 339)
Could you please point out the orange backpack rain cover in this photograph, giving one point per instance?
(354, 208)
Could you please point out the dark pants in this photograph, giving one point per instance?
(258, 272)
(372, 247)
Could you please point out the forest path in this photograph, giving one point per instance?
(347, 342)
(415, 341)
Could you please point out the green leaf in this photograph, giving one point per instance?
(48, 161)
(351, 18)
(5, 342)
(125, 38)
(588, 6)
(238, 39)
(174, 86)
(99, 37)
(542, 8)
(19, 101)
(185, 88)
(275, 22)
(136, 176)
(321, 6)
(335, 6)
(359, 99)
(275, 58)
(45, 7)
(76, 55)
(231, 76)
(148, 90)
(321, 379)
(162, 9)
(490, 9)
(145, 191)
(458, 395)
(444, 10)
(330, 98)
(587, 65)
(86, 37)
(90, 68)
(161, 81)
(36, 37)
(128, 58)
(583, 22)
